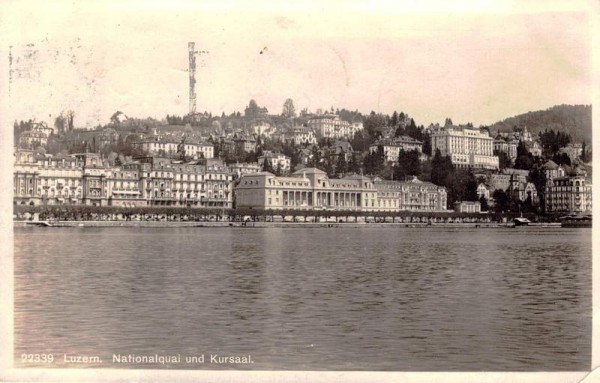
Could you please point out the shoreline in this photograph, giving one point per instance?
(164, 224)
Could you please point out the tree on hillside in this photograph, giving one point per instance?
(427, 144)
(354, 164)
(469, 186)
(267, 167)
(400, 131)
(442, 170)
(374, 122)
(374, 161)
(537, 176)
(576, 120)
(562, 159)
(585, 157)
(408, 165)
(504, 159)
(361, 141)
(289, 110)
(394, 119)
(341, 166)
(315, 157)
(524, 158)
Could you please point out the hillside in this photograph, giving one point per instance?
(575, 120)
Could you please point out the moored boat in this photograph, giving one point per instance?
(520, 221)
(576, 220)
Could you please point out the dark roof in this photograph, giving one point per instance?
(550, 165)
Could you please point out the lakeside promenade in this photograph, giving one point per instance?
(162, 224)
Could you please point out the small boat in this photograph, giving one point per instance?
(520, 221)
(576, 220)
(39, 223)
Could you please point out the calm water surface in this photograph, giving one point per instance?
(308, 298)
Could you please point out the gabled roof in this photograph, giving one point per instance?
(308, 171)
(550, 165)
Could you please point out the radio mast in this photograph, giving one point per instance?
(192, 71)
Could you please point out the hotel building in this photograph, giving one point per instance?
(148, 181)
(275, 161)
(155, 146)
(311, 189)
(569, 192)
(466, 147)
(393, 146)
(331, 126)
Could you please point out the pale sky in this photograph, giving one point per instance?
(478, 64)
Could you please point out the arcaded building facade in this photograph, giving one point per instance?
(311, 189)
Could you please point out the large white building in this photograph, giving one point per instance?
(331, 126)
(154, 146)
(506, 145)
(567, 192)
(87, 179)
(466, 147)
(276, 161)
(301, 135)
(311, 189)
(393, 146)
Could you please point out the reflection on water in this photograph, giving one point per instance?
(337, 299)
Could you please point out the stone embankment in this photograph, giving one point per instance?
(251, 224)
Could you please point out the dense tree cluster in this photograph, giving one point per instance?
(575, 119)
(552, 141)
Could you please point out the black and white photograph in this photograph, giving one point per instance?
(313, 191)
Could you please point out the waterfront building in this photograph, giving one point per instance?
(311, 189)
(467, 147)
(467, 207)
(46, 179)
(306, 189)
(569, 193)
(125, 187)
(410, 195)
(95, 179)
(148, 181)
(331, 126)
(393, 146)
(219, 185)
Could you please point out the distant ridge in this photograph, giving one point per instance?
(575, 120)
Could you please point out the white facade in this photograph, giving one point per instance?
(153, 147)
(244, 168)
(392, 147)
(331, 126)
(467, 147)
(275, 160)
(302, 135)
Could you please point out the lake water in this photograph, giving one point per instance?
(373, 298)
